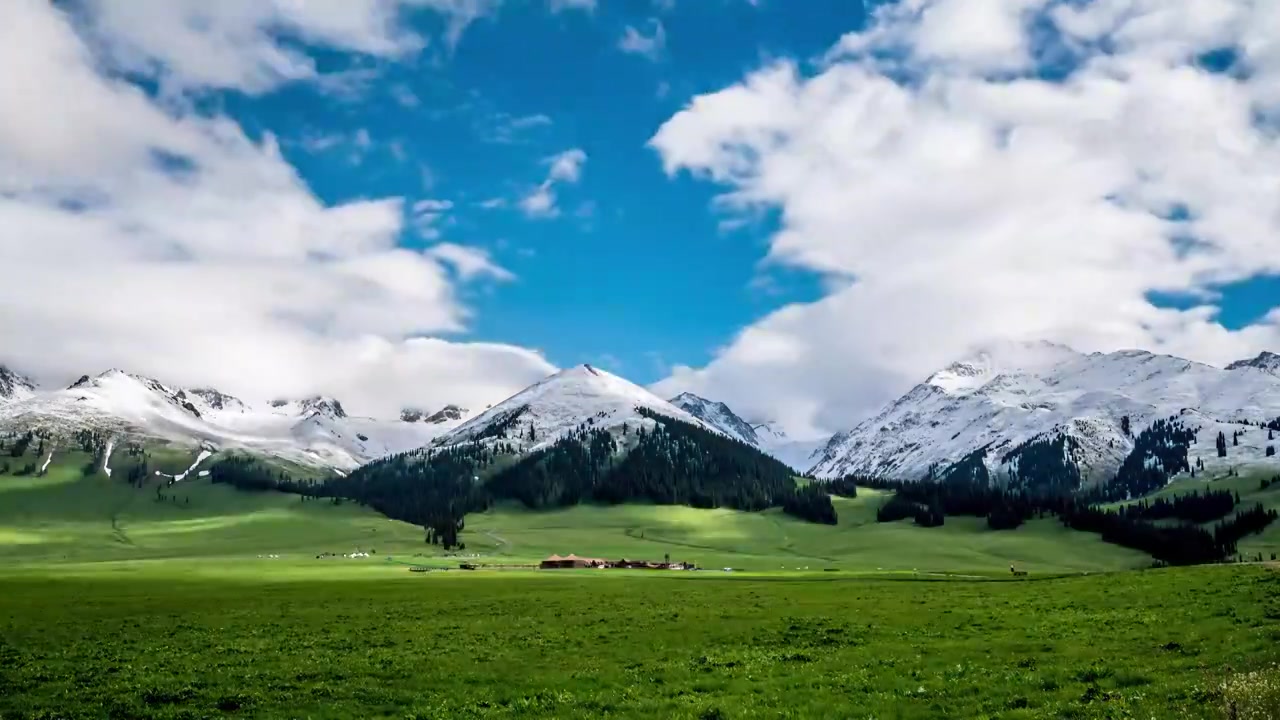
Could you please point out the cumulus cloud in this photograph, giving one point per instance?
(954, 196)
(563, 168)
(140, 233)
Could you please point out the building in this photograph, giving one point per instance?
(572, 561)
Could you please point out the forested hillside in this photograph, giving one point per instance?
(665, 461)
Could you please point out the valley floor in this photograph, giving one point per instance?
(198, 600)
(587, 644)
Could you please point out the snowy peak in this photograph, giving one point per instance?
(1002, 399)
(213, 400)
(985, 364)
(308, 407)
(570, 399)
(325, 406)
(13, 386)
(717, 415)
(446, 414)
(1266, 361)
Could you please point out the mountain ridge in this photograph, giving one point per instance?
(314, 431)
(1016, 393)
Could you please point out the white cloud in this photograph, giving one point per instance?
(506, 129)
(147, 235)
(469, 262)
(427, 215)
(955, 198)
(567, 166)
(636, 42)
(540, 202)
(236, 43)
(563, 168)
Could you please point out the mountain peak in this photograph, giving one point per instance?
(1266, 361)
(215, 399)
(986, 362)
(326, 406)
(577, 396)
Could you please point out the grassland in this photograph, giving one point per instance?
(65, 519)
(587, 644)
(213, 602)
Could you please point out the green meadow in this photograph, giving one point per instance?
(199, 600)
(65, 518)
(591, 644)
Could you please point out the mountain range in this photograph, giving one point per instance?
(993, 402)
(1011, 394)
(315, 432)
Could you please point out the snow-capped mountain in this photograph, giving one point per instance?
(766, 436)
(1265, 361)
(717, 415)
(13, 386)
(1005, 395)
(313, 431)
(577, 397)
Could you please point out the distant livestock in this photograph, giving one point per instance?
(1016, 572)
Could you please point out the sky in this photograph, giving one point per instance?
(801, 209)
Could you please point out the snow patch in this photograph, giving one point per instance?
(204, 455)
(106, 458)
(45, 466)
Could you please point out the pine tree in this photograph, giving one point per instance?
(1222, 445)
(1124, 426)
(1235, 439)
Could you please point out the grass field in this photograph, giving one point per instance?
(66, 519)
(117, 604)
(586, 644)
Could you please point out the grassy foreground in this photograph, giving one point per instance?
(588, 644)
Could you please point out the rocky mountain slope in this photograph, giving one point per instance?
(13, 386)
(315, 431)
(717, 415)
(1265, 361)
(1005, 396)
(766, 436)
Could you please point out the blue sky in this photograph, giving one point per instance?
(636, 273)
(440, 201)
